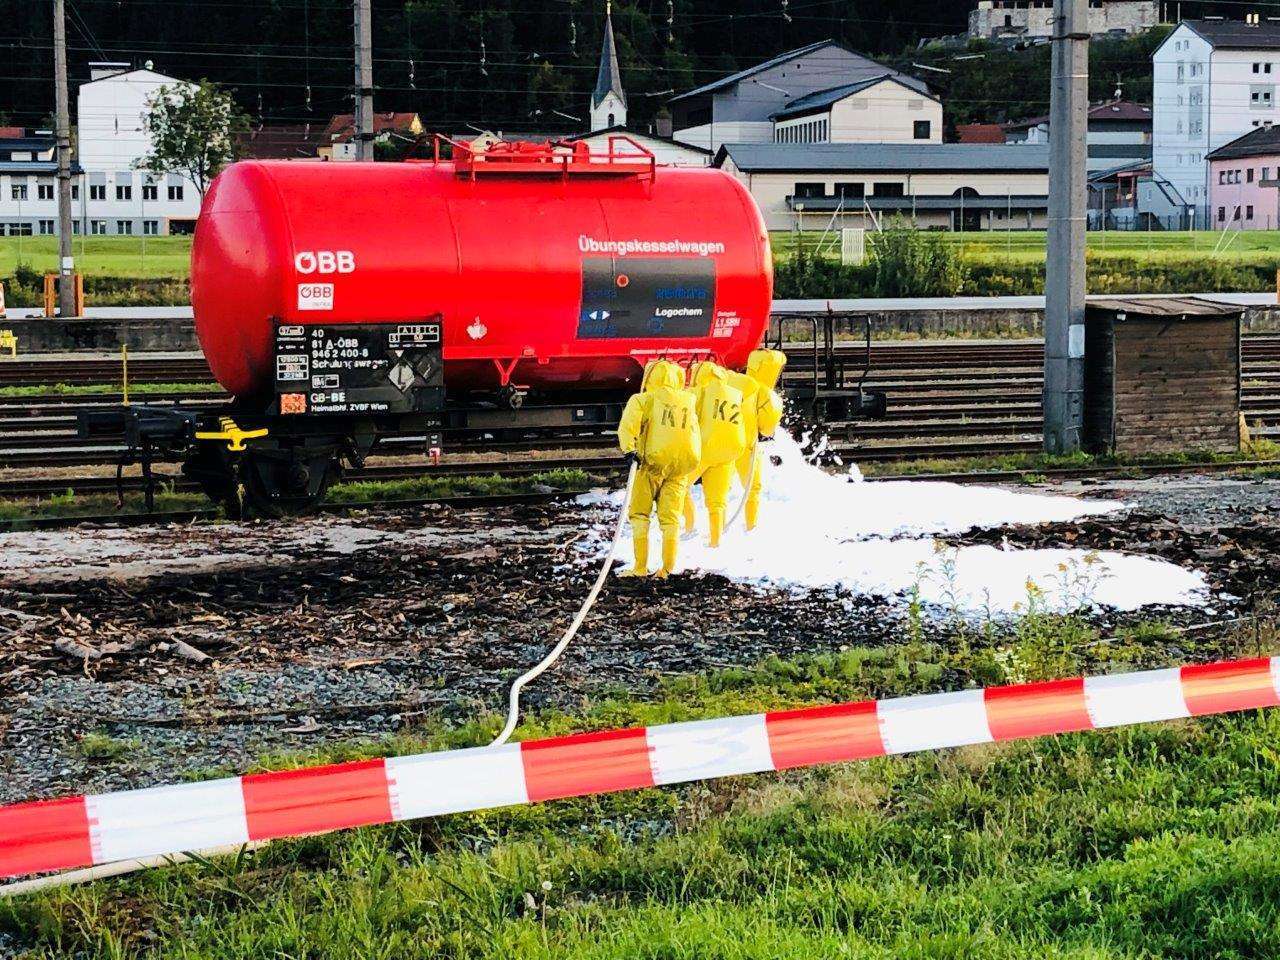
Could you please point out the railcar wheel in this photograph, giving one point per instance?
(271, 486)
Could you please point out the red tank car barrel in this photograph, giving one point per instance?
(550, 268)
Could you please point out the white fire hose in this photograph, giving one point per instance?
(513, 706)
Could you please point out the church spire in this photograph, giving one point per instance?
(608, 102)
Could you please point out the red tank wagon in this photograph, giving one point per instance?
(551, 269)
(345, 305)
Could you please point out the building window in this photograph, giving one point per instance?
(44, 191)
(151, 228)
(150, 191)
(851, 191)
(1248, 175)
(922, 129)
(888, 190)
(46, 227)
(75, 228)
(1236, 215)
(1266, 173)
(1222, 214)
(175, 191)
(98, 191)
(19, 230)
(18, 191)
(124, 227)
(75, 191)
(98, 227)
(124, 192)
(1248, 212)
(810, 191)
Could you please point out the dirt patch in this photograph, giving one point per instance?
(331, 629)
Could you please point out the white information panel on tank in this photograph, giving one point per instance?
(315, 296)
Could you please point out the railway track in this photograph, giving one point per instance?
(945, 400)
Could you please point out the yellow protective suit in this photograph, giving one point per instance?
(724, 440)
(762, 412)
(660, 426)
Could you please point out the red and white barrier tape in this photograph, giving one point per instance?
(104, 828)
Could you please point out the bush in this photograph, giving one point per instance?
(915, 263)
(805, 276)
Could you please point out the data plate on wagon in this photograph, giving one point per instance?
(359, 368)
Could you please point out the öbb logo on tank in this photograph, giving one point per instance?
(307, 262)
(315, 296)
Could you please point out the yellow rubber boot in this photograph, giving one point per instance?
(716, 520)
(640, 544)
(752, 510)
(670, 544)
(689, 521)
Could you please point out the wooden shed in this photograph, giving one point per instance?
(1162, 374)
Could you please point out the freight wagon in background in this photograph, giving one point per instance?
(343, 304)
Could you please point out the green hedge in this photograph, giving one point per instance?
(26, 289)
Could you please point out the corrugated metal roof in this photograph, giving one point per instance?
(751, 71)
(781, 58)
(919, 204)
(1236, 34)
(824, 98)
(28, 166)
(908, 157)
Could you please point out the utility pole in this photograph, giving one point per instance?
(364, 81)
(1065, 265)
(66, 263)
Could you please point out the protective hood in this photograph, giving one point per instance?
(765, 367)
(704, 372)
(662, 373)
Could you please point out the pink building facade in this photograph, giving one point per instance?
(1244, 182)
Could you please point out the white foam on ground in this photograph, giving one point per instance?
(821, 530)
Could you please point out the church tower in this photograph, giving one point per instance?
(608, 102)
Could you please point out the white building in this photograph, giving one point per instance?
(1118, 133)
(665, 150)
(955, 186)
(1214, 81)
(881, 109)
(741, 107)
(1033, 18)
(108, 196)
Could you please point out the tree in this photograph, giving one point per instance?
(191, 127)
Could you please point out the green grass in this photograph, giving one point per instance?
(103, 747)
(169, 257)
(124, 257)
(81, 389)
(1157, 841)
(1028, 246)
(1033, 463)
(69, 505)
(428, 487)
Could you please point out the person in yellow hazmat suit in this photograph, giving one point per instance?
(724, 440)
(762, 412)
(659, 427)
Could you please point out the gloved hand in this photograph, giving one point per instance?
(631, 457)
